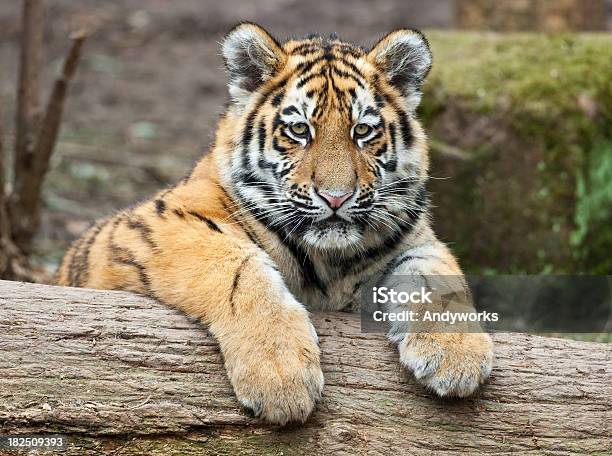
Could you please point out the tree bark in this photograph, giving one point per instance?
(121, 374)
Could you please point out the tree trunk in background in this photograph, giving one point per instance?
(27, 119)
(28, 184)
(13, 263)
(121, 374)
(532, 15)
(5, 226)
(35, 137)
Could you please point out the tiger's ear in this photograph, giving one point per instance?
(251, 56)
(405, 57)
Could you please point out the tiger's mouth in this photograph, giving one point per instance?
(333, 221)
(333, 233)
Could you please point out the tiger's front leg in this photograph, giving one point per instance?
(268, 343)
(449, 361)
(213, 272)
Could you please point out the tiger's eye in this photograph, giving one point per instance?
(299, 129)
(362, 130)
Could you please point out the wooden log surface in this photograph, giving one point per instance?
(121, 374)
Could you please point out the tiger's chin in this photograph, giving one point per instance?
(333, 236)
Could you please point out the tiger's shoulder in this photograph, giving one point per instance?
(115, 251)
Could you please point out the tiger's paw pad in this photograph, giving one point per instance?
(280, 383)
(280, 399)
(451, 365)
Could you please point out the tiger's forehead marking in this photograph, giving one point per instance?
(327, 75)
(330, 48)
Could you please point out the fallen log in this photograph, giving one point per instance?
(121, 374)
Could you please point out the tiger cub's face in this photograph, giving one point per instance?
(326, 149)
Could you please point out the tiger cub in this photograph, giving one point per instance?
(316, 181)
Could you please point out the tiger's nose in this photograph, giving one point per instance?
(333, 198)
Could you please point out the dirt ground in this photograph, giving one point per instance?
(151, 86)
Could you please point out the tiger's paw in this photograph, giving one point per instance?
(280, 381)
(451, 365)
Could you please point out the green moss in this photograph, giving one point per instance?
(526, 70)
(533, 115)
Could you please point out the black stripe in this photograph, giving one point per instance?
(322, 101)
(310, 276)
(286, 170)
(82, 272)
(353, 67)
(124, 256)
(304, 80)
(249, 178)
(307, 65)
(250, 233)
(389, 165)
(372, 111)
(405, 129)
(277, 122)
(306, 205)
(145, 230)
(339, 93)
(381, 150)
(378, 134)
(398, 261)
(347, 75)
(422, 202)
(277, 147)
(307, 47)
(378, 98)
(248, 129)
(73, 266)
(327, 52)
(265, 164)
(212, 225)
(237, 274)
(352, 50)
(278, 98)
(290, 110)
(160, 207)
(392, 135)
(261, 136)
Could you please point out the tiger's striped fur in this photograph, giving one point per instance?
(316, 181)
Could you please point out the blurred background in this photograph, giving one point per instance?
(518, 108)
